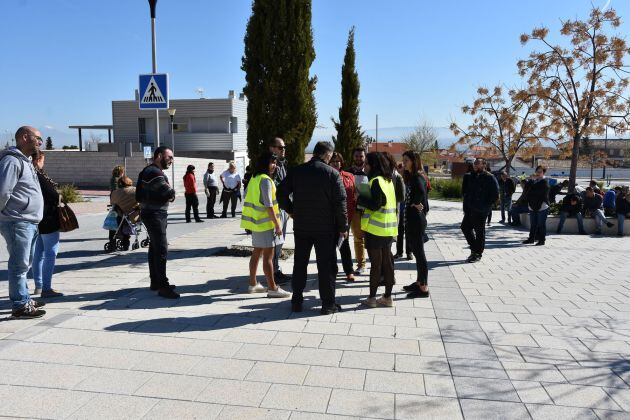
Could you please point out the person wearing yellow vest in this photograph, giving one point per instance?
(380, 224)
(260, 216)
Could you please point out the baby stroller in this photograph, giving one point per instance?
(130, 224)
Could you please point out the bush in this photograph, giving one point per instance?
(446, 188)
(70, 194)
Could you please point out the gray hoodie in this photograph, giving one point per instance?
(20, 194)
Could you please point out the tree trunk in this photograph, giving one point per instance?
(508, 164)
(575, 155)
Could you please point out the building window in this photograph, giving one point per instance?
(233, 125)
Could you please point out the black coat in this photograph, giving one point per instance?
(480, 191)
(50, 221)
(538, 194)
(566, 206)
(507, 187)
(415, 221)
(318, 204)
(622, 206)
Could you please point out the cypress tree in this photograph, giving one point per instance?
(349, 134)
(49, 144)
(278, 55)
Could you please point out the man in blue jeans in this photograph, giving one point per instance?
(571, 207)
(21, 210)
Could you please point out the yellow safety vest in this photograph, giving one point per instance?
(255, 216)
(384, 221)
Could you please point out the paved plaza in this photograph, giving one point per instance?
(528, 332)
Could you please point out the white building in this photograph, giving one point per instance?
(203, 128)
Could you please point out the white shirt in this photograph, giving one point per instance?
(231, 180)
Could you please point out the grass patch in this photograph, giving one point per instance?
(70, 194)
(446, 189)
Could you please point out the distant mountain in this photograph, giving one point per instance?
(385, 134)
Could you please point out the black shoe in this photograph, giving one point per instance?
(609, 224)
(528, 241)
(618, 234)
(224, 216)
(418, 294)
(296, 307)
(168, 293)
(281, 278)
(38, 303)
(583, 233)
(558, 232)
(29, 311)
(411, 287)
(188, 221)
(409, 257)
(199, 221)
(396, 256)
(155, 288)
(328, 310)
(473, 257)
(540, 243)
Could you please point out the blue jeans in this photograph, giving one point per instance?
(620, 221)
(563, 218)
(46, 248)
(20, 238)
(506, 206)
(538, 225)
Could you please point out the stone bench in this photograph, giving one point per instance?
(570, 225)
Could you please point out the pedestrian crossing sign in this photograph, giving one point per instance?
(153, 91)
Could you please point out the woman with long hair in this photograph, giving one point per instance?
(261, 217)
(47, 244)
(380, 225)
(336, 161)
(416, 208)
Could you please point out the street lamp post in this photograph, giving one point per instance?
(152, 5)
(605, 153)
(171, 113)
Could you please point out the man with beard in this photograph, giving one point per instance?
(480, 190)
(154, 193)
(278, 148)
(360, 177)
(211, 186)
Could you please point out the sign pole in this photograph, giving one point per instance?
(152, 4)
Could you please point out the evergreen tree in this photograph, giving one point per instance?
(349, 134)
(278, 55)
(49, 144)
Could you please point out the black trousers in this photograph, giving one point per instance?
(155, 222)
(474, 228)
(400, 239)
(415, 243)
(229, 198)
(211, 201)
(346, 257)
(192, 202)
(326, 257)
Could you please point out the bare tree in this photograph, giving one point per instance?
(506, 123)
(583, 86)
(422, 139)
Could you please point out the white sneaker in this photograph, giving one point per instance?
(278, 293)
(258, 288)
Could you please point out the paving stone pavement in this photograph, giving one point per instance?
(528, 332)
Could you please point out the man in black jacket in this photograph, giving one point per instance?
(278, 148)
(318, 208)
(154, 193)
(506, 189)
(571, 207)
(480, 190)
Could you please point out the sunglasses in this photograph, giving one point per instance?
(280, 147)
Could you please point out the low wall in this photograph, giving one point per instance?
(570, 225)
(94, 169)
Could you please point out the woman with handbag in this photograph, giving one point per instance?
(47, 243)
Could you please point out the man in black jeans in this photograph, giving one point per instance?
(318, 208)
(154, 193)
(480, 190)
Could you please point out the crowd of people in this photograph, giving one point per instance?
(376, 199)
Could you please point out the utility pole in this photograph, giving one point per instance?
(152, 4)
(376, 140)
(605, 153)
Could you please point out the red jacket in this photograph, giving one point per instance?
(190, 183)
(351, 193)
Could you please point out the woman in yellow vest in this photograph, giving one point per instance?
(380, 224)
(260, 216)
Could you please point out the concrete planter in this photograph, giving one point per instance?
(570, 225)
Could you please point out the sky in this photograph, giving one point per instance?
(64, 61)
